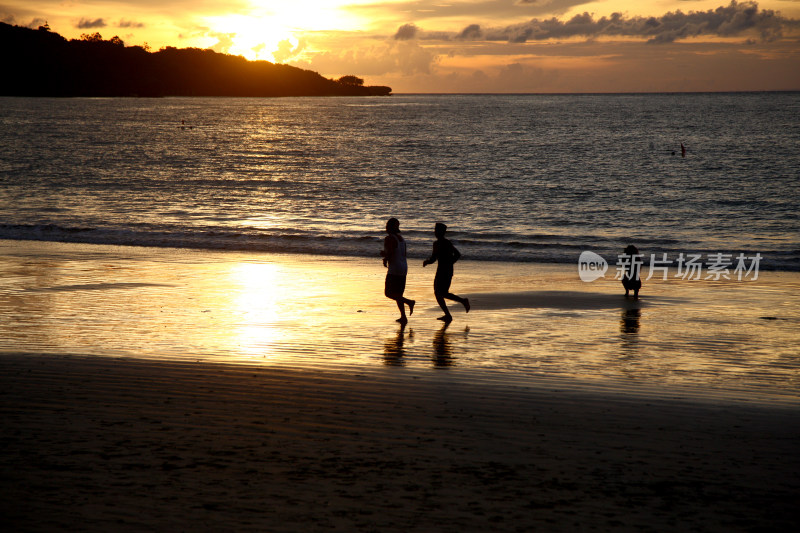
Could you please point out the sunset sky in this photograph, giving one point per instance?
(468, 45)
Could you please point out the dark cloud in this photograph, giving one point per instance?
(470, 33)
(435, 36)
(737, 18)
(130, 24)
(86, 24)
(406, 32)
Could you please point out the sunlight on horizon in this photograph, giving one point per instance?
(273, 32)
(252, 37)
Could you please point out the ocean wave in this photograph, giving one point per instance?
(550, 249)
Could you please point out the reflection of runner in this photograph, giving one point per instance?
(441, 347)
(393, 352)
(394, 258)
(446, 254)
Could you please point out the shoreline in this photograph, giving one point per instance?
(104, 444)
(416, 256)
(529, 322)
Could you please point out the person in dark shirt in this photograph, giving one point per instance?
(630, 279)
(446, 254)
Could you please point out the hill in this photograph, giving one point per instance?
(43, 63)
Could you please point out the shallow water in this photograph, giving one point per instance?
(528, 322)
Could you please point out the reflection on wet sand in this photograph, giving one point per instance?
(393, 351)
(630, 321)
(442, 349)
(629, 327)
(444, 355)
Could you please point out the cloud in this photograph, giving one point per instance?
(86, 24)
(224, 42)
(470, 33)
(517, 77)
(286, 50)
(130, 24)
(613, 66)
(405, 58)
(413, 59)
(726, 21)
(406, 32)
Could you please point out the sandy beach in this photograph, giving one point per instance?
(169, 390)
(97, 444)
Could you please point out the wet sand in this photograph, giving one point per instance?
(736, 340)
(176, 390)
(100, 444)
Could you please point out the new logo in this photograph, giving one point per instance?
(591, 266)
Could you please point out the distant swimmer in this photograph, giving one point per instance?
(394, 258)
(683, 150)
(446, 254)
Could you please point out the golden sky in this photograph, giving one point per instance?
(468, 45)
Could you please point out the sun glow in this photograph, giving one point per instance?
(274, 31)
(252, 37)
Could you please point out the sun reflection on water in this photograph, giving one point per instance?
(257, 290)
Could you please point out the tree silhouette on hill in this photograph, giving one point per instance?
(43, 63)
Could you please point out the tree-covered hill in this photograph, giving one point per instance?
(43, 63)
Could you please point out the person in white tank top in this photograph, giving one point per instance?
(394, 258)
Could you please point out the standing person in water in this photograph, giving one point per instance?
(394, 258)
(447, 255)
(630, 278)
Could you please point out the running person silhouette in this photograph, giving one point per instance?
(394, 258)
(446, 254)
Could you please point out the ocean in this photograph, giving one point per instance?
(517, 178)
